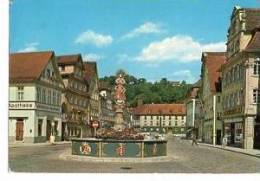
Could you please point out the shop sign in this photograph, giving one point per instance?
(233, 111)
(21, 105)
(49, 108)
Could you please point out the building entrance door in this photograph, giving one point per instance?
(63, 131)
(232, 131)
(19, 130)
(218, 137)
(48, 130)
(257, 137)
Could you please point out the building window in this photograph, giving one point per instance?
(257, 67)
(151, 117)
(48, 72)
(170, 117)
(170, 123)
(176, 123)
(63, 68)
(151, 123)
(39, 95)
(43, 96)
(163, 117)
(157, 123)
(49, 97)
(182, 117)
(145, 117)
(157, 117)
(218, 99)
(54, 98)
(176, 117)
(39, 127)
(256, 94)
(20, 93)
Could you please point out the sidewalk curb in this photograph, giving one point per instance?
(230, 150)
(19, 145)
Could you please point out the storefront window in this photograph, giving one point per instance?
(238, 133)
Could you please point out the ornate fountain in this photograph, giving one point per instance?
(119, 141)
(120, 102)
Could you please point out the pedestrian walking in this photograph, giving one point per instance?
(194, 139)
(224, 142)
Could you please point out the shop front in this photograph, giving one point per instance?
(233, 131)
(32, 123)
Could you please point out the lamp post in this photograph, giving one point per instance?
(214, 120)
(160, 130)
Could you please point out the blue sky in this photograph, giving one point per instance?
(148, 38)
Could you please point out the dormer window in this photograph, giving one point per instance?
(48, 73)
(257, 66)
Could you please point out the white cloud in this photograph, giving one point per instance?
(121, 58)
(94, 38)
(181, 48)
(92, 57)
(184, 75)
(30, 47)
(145, 28)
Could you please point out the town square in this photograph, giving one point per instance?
(134, 87)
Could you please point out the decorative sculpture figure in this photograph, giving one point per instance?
(120, 98)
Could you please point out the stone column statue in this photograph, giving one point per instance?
(120, 98)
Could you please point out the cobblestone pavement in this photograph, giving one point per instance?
(188, 159)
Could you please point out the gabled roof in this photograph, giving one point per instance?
(254, 44)
(104, 86)
(68, 59)
(27, 67)
(160, 109)
(252, 18)
(213, 61)
(90, 70)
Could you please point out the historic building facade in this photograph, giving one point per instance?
(91, 76)
(240, 85)
(106, 113)
(193, 110)
(75, 98)
(170, 117)
(34, 97)
(210, 95)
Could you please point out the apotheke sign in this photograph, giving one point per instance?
(22, 105)
(33, 105)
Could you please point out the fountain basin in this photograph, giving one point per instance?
(118, 148)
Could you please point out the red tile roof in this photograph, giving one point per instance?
(90, 70)
(254, 44)
(252, 18)
(27, 67)
(160, 109)
(68, 59)
(213, 62)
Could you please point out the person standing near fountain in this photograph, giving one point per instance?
(120, 98)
